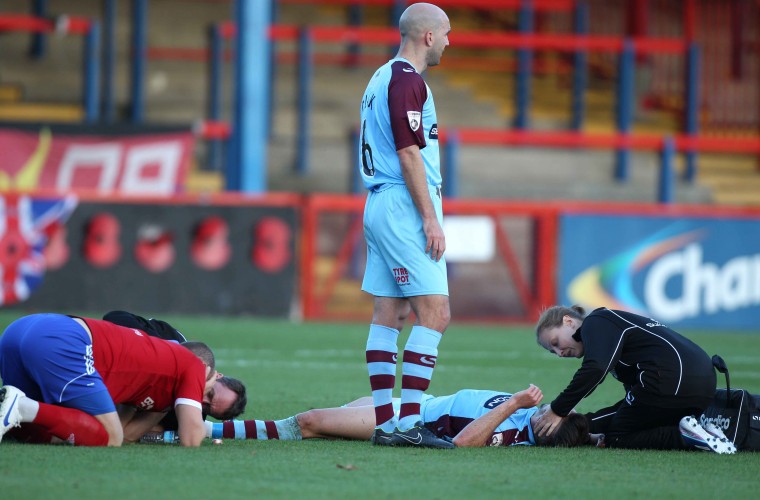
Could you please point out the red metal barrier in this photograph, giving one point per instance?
(564, 139)
(31, 24)
(475, 39)
(532, 283)
(569, 139)
(538, 5)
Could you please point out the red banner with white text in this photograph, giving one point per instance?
(140, 161)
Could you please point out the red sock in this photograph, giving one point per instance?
(73, 426)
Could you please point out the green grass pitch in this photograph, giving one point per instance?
(291, 367)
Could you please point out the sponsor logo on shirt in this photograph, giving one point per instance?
(496, 401)
(401, 275)
(89, 361)
(433, 132)
(415, 118)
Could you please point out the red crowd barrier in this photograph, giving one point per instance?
(475, 39)
(32, 24)
(534, 285)
(538, 5)
(570, 139)
(217, 130)
(213, 130)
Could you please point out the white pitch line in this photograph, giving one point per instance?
(358, 354)
(226, 364)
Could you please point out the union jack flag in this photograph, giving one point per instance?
(25, 223)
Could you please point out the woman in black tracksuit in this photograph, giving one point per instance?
(666, 376)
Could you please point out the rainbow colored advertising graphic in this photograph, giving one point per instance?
(694, 272)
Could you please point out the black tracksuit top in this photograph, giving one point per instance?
(658, 366)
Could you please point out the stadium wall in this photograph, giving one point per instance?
(210, 255)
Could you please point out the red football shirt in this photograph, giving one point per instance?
(149, 373)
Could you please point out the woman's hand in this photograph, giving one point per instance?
(547, 423)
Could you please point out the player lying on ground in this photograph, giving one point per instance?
(469, 418)
(64, 377)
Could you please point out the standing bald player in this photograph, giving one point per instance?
(405, 271)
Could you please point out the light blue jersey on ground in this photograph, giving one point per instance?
(448, 415)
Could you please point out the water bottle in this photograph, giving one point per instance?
(166, 437)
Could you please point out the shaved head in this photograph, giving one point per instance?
(419, 18)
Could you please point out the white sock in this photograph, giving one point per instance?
(27, 409)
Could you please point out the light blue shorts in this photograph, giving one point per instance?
(397, 265)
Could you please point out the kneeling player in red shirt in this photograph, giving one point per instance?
(65, 375)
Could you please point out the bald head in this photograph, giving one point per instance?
(424, 35)
(419, 18)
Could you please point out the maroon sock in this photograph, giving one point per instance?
(251, 432)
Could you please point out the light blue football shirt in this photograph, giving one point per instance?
(397, 111)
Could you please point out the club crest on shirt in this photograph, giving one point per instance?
(496, 440)
(415, 118)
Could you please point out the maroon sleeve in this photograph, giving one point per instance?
(407, 94)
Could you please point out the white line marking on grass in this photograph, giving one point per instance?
(342, 365)
(358, 354)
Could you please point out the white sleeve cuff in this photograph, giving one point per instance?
(186, 401)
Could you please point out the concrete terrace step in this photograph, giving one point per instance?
(176, 92)
(10, 93)
(40, 112)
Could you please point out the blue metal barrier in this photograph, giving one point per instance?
(524, 68)
(108, 110)
(691, 108)
(247, 156)
(625, 96)
(580, 70)
(450, 165)
(91, 73)
(305, 76)
(139, 48)
(355, 19)
(667, 177)
(356, 185)
(39, 40)
(398, 8)
(273, 16)
(216, 54)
